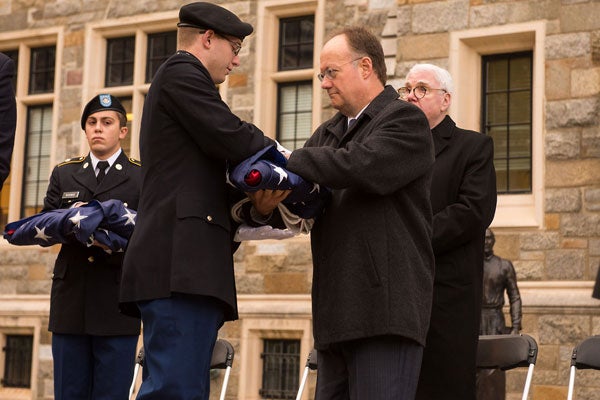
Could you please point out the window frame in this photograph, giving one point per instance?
(97, 34)
(23, 42)
(281, 377)
(508, 124)
(266, 72)
(466, 49)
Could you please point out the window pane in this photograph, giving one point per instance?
(281, 369)
(294, 114)
(500, 137)
(520, 107)
(498, 75)
(41, 72)
(520, 73)
(37, 159)
(160, 47)
(17, 363)
(507, 88)
(520, 141)
(119, 61)
(296, 43)
(496, 111)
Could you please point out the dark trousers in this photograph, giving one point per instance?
(179, 336)
(93, 367)
(378, 368)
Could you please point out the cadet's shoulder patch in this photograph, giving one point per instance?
(134, 161)
(73, 160)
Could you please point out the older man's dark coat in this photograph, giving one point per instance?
(372, 255)
(463, 197)
(183, 237)
(85, 283)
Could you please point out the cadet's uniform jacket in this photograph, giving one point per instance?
(85, 282)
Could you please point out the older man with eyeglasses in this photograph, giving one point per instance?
(463, 197)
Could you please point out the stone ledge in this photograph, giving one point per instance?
(24, 305)
(558, 294)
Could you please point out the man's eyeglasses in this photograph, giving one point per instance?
(419, 91)
(330, 73)
(235, 46)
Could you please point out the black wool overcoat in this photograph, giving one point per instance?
(463, 197)
(372, 255)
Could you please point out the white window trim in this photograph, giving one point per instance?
(23, 41)
(270, 317)
(268, 15)
(466, 49)
(23, 315)
(97, 33)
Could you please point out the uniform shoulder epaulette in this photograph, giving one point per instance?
(134, 161)
(72, 161)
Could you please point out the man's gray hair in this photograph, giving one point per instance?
(441, 75)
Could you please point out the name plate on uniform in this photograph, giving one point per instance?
(70, 195)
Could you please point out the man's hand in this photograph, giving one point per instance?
(265, 201)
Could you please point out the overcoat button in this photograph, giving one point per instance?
(91, 259)
(209, 218)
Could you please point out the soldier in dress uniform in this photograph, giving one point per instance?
(93, 345)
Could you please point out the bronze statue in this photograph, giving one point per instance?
(498, 276)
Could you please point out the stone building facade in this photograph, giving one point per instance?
(550, 229)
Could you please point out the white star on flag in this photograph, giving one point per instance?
(130, 217)
(316, 188)
(282, 174)
(76, 219)
(41, 234)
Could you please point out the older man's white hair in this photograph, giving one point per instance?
(441, 75)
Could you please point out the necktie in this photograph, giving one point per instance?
(351, 122)
(102, 165)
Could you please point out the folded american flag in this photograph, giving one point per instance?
(266, 170)
(109, 222)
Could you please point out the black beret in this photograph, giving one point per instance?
(102, 102)
(204, 15)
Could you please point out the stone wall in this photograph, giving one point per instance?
(555, 263)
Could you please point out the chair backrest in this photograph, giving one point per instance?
(311, 362)
(222, 355)
(506, 351)
(586, 355)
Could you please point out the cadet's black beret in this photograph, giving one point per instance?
(211, 16)
(102, 102)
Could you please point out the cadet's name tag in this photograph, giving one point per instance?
(70, 195)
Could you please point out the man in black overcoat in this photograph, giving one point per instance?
(372, 256)
(463, 197)
(93, 344)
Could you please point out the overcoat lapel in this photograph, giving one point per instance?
(442, 135)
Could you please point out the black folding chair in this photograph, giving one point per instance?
(311, 363)
(222, 358)
(586, 355)
(506, 352)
